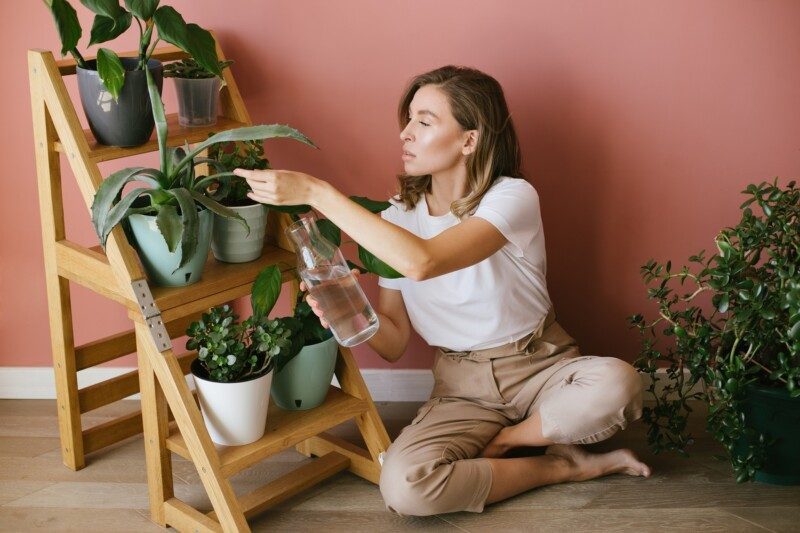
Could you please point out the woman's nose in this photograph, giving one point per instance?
(405, 135)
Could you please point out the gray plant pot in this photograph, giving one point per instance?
(305, 380)
(197, 101)
(159, 262)
(129, 120)
(230, 241)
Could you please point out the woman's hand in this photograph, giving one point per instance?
(314, 304)
(280, 187)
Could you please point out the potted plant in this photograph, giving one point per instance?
(230, 242)
(737, 332)
(197, 90)
(169, 217)
(113, 90)
(233, 369)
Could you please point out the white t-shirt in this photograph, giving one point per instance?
(494, 302)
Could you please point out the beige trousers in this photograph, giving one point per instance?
(433, 466)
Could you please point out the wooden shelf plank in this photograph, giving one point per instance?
(178, 135)
(284, 429)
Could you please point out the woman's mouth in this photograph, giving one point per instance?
(407, 155)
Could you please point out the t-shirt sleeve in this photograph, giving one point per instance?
(512, 206)
(390, 283)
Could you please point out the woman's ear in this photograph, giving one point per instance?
(470, 142)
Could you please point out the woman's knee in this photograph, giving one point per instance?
(624, 385)
(402, 486)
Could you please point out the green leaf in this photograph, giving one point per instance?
(375, 265)
(330, 231)
(723, 303)
(169, 224)
(111, 71)
(104, 28)
(191, 225)
(219, 209)
(67, 24)
(143, 9)
(108, 191)
(249, 133)
(361, 269)
(106, 8)
(290, 209)
(266, 290)
(203, 49)
(794, 332)
(122, 209)
(160, 119)
(373, 206)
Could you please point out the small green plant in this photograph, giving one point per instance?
(190, 69)
(249, 155)
(112, 20)
(173, 192)
(748, 335)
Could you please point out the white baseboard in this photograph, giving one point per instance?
(385, 385)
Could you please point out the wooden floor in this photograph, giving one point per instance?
(37, 493)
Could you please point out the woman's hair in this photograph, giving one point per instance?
(477, 103)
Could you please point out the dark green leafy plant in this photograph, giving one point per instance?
(189, 68)
(749, 337)
(173, 192)
(112, 20)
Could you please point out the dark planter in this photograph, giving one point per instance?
(771, 411)
(129, 120)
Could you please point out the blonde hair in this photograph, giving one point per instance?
(477, 103)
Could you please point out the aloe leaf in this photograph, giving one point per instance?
(160, 119)
(373, 206)
(104, 28)
(67, 24)
(249, 134)
(143, 9)
(191, 225)
(122, 209)
(375, 265)
(106, 8)
(107, 193)
(169, 224)
(330, 231)
(219, 209)
(111, 71)
(266, 289)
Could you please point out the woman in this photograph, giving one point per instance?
(466, 232)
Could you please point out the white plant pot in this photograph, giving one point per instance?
(234, 413)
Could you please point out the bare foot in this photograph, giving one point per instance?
(497, 447)
(592, 465)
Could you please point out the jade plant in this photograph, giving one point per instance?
(112, 20)
(173, 192)
(736, 326)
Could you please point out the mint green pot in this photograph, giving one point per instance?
(159, 262)
(304, 382)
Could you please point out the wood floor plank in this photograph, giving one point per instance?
(11, 490)
(367, 522)
(28, 446)
(783, 519)
(18, 519)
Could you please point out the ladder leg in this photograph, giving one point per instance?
(155, 421)
(190, 422)
(48, 170)
(369, 423)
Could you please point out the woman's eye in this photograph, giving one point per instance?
(424, 123)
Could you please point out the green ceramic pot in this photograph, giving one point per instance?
(304, 382)
(159, 262)
(230, 241)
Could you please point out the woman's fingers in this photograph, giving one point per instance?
(302, 285)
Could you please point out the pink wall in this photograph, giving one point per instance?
(640, 122)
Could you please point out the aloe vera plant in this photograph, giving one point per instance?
(174, 191)
(112, 20)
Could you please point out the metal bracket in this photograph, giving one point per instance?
(152, 315)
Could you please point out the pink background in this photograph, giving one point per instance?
(639, 122)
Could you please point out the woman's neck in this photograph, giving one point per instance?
(446, 188)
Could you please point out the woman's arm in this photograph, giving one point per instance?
(463, 245)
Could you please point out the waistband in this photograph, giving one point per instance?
(511, 348)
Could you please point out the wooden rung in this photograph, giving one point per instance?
(111, 390)
(108, 433)
(89, 268)
(114, 346)
(178, 135)
(184, 517)
(291, 484)
(361, 463)
(284, 429)
(163, 53)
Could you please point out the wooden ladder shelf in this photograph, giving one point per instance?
(160, 378)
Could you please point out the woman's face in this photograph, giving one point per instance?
(433, 141)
